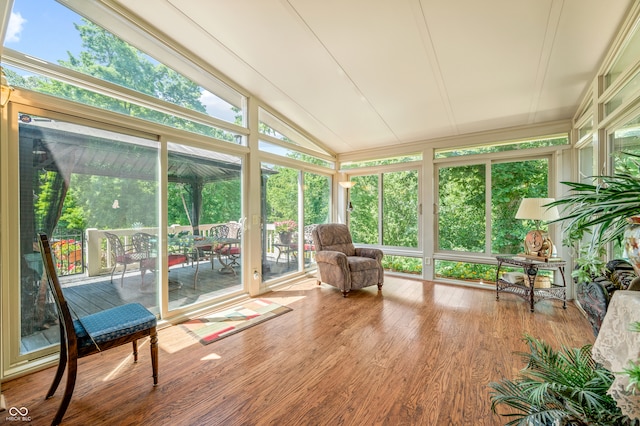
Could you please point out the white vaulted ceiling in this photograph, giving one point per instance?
(360, 74)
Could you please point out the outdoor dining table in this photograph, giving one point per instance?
(195, 245)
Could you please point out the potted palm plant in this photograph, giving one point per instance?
(565, 387)
(601, 209)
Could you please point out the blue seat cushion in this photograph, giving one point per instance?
(113, 323)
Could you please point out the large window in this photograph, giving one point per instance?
(477, 204)
(287, 230)
(385, 209)
(75, 178)
(625, 139)
(463, 194)
(82, 46)
(204, 209)
(461, 208)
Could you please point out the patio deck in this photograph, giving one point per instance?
(90, 295)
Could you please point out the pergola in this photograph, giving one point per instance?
(66, 148)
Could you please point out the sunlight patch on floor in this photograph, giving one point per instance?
(210, 357)
(128, 360)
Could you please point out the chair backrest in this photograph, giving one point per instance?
(335, 237)
(117, 249)
(67, 335)
(143, 243)
(308, 233)
(235, 229)
(219, 231)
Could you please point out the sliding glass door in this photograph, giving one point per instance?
(90, 190)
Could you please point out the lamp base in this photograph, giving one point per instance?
(538, 245)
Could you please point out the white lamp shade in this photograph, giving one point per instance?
(535, 209)
(347, 184)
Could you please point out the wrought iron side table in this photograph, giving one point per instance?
(530, 292)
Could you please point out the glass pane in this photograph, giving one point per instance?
(507, 233)
(276, 128)
(47, 30)
(628, 56)
(348, 165)
(629, 91)
(626, 138)
(585, 129)
(400, 209)
(471, 272)
(280, 210)
(556, 140)
(317, 204)
(461, 208)
(291, 153)
(363, 219)
(74, 181)
(403, 264)
(586, 163)
(204, 207)
(20, 78)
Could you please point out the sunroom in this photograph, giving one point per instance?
(131, 129)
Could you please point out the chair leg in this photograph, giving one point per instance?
(135, 350)
(68, 390)
(62, 364)
(122, 276)
(154, 355)
(112, 271)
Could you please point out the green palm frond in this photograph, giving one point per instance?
(567, 385)
(600, 208)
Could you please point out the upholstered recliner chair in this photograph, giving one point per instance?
(341, 264)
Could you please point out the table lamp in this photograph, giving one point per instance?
(537, 244)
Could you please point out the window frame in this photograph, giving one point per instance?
(380, 171)
(551, 153)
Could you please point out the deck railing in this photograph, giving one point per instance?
(68, 251)
(89, 252)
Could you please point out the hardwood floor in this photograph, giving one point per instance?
(419, 353)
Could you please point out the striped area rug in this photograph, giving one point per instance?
(219, 325)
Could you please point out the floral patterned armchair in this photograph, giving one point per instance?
(342, 265)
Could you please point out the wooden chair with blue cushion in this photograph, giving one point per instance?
(94, 333)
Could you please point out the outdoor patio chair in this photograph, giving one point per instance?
(83, 336)
(232, 251)
(122, 256)
(309, 247)
(343, 265)
(146, 245)
(216, 232)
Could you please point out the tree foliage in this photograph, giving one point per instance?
(462, 204)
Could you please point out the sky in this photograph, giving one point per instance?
(45, 29)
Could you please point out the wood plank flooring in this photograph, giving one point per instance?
(419, 353)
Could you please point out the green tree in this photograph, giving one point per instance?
(90, 198)
(282, 195)
(364, 217)
(461, 208)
